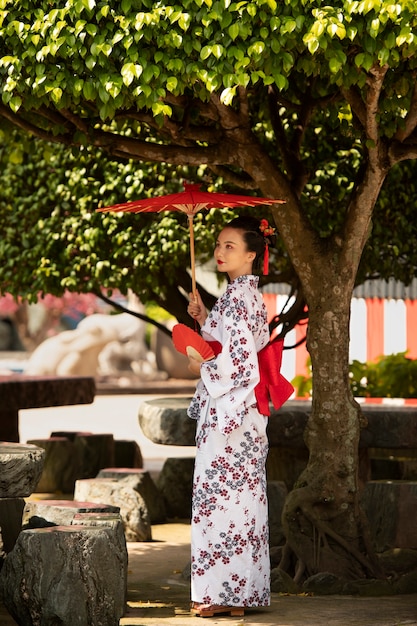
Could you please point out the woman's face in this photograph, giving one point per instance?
(231, 253)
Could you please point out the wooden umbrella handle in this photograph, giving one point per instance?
(192, 257)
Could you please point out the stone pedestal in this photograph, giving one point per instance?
(93, 451)
(61, 465)
(20, 469)
(277, 492)
(391, 506)
(11, 512)
(175, 482)
(127, 454)
(113, 521)
(140, 480)
(120, 494)
(72, 576)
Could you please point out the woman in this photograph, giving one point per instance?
(230, 567)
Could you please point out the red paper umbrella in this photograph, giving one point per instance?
(189, 201)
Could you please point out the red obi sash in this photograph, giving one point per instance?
(272, 386)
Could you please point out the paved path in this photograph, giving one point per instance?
(159, 595)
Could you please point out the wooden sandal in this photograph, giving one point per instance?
(209, 610)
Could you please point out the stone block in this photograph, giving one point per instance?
(41, 513)
(94, 451)
(165, 421)
(113, 521)
(286, 464)
(140, 480)
(120, 494)
(20, 469)
(391, 507)
(175, 482)
(127, 454)
(277, 492)
(11, 513)
(67, 575)
(61, 465)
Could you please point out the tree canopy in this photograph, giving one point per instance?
(297, 99)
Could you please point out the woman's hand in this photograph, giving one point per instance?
(194, 366)
(196, 308)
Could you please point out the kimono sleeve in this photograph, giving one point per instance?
(230, 378)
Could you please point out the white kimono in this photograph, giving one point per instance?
(229, 527)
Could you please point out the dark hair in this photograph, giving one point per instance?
(253, 236)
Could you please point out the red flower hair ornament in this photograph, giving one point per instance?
(267, 231)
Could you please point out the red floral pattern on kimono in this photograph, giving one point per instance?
(229, 538)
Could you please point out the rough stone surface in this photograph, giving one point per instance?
(277, 493)
(165, 421)
(61, 465)
(94, 451)
(390, 507)
(281, 582)
(114, 522)
(323, 584)
(406, 583)
(20, 469)
(175, 482)
(127, 454)
(120, 494)
(41, 513)
(368, 588)
(140, 480)
(11, 512)
(67, 576)
(286, 464)
(399, 561)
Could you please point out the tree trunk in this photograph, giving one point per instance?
(322, 519)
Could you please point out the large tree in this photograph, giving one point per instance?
(295, 99)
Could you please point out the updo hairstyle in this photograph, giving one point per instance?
(254, 238)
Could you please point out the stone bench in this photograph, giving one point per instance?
(165, 421)
(391, 430)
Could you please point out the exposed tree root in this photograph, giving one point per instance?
(313, 548)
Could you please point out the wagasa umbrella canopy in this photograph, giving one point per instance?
(190, 201)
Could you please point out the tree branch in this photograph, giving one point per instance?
(28, 127)
(410, 121)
